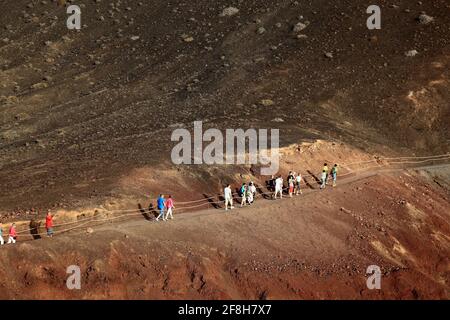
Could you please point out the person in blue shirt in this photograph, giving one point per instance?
(161, 203)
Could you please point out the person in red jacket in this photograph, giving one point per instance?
(170, 206)
(12, 234)
(49, 224)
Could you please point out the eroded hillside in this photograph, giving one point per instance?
(81, 111)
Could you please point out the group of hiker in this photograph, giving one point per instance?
(247, 193)
(12, 232)
(294, 186)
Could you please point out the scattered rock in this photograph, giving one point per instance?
(329, 55)
(425, 19)
(8, 100)
(187, 38)
(411, 53)
(39, 85)
(299, 27)
(230, 11)
(89, 230)
(267, 102)
(261, 30)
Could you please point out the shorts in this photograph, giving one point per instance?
(49, 231)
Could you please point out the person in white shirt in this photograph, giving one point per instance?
(252, 189)
(298, 180)
(278, 187)
(228, 197)
(249, 195)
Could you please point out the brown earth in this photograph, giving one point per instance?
(315, 246)
(82, 110)
(86, 119)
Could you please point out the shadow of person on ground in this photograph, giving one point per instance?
(146, 214)
(211, 201)
(315, 178)
(260, 191)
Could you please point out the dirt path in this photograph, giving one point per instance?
(261, 203)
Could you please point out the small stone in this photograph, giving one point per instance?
(230, 11)
(425, 19)
(411, 53)
(261, 30)
(267, 102)
(187, 38)
(299, 27)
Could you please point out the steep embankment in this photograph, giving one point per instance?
(397, 221)
(82, 111)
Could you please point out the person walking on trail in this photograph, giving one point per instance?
(228, 195)
(252, 188)
(298, 180)
(249, 194)
(278, 187)
(49, 224)
(170, 207)
(12, 234)
(291, 183)
(334, 171)
(324, 176)
(161, 204)
(2, 241)
(243, 194)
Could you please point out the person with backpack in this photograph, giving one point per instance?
(170, 207)
(12, 234)
(49, 224)
(161, 204)
(228, 195)
(243, 194)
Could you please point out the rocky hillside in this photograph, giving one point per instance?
(81, 110)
